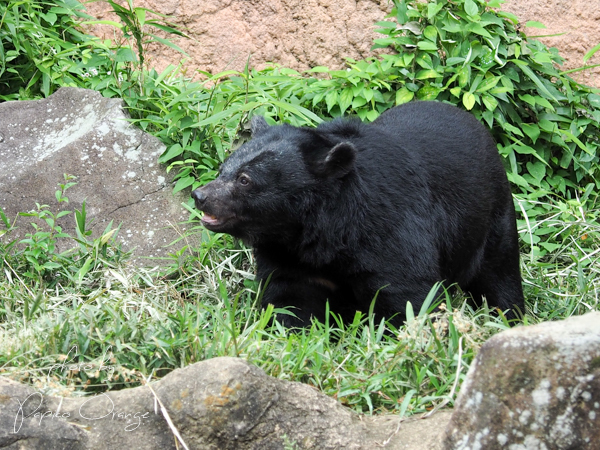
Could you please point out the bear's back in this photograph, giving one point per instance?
(441, 136)
(451, 150)
(433, 169)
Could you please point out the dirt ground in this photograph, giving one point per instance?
(301, 34)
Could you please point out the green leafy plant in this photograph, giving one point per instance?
(135, 21)
(42, 48)
(129, 54)
(40, 246)
(586, 58)
(561, 265)
(547, 126)
(200, 122)
(464, 52)
(366, 89)
(48, 256)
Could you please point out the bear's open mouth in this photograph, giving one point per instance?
(214, 223)
(209, 219)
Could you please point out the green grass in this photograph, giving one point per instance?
(123, 323)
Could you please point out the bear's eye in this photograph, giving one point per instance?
(244, 180)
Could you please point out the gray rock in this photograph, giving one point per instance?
(18, 401)
(532, 388)
(81, 133)
(414, 433)
(222, 403)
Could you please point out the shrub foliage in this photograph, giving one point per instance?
(464, 52)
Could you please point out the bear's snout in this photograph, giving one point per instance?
(214, 201)
(199, 196)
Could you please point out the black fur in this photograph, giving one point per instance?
(350, 210)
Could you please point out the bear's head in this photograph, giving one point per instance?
(268, 188)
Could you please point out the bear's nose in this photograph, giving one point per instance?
(199, 197)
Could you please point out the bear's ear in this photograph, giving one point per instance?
(258, 125)
(339, 161)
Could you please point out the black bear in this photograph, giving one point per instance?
(349, 211)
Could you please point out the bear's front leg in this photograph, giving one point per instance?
(305, 291)
(306, 298)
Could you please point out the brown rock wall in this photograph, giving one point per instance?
(301, 34)
(294, 33)
(577, 22)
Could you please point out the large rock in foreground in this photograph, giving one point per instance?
(81, 133)
(533, 388)
(219, 404)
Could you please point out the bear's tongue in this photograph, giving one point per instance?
(211, 220)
